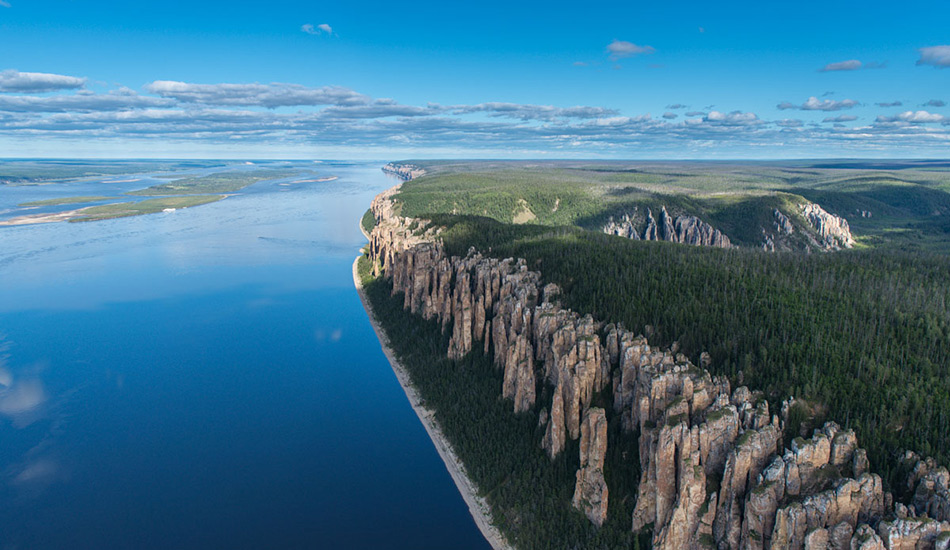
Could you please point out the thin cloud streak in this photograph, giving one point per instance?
(619, 49)
(13, 81)
(815, 104)
(849, 65)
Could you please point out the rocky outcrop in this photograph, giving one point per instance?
(682, 229)
(914, 534)
(833, 230)
(590, 490)
(715, 469)
(928, 485)
(405, 172)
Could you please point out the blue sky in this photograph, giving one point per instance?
(492, 79)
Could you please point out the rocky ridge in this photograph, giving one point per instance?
(682, 229)
(716, 472)
(405, 172)
(833, 230)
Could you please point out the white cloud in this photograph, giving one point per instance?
(938, 56)
(849, 65)
(322, 28)
(914, 117)
(619, 49)
(890, 104)
(815, 104)
(669, 115)
(4, 4)
(735, 118)
(677, 106)
(12, 81)
(263, 95)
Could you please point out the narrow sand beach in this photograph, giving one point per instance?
(476, 505)
(41, 218)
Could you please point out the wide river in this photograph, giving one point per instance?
(207, 378)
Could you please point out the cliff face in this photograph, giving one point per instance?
(590, 491)
(833, 230)
(682, 229)
(819, 230)
(406, 172)
(715, 471)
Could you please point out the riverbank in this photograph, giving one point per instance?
(476, 505)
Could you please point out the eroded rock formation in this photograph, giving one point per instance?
(715, 470)
(590, 490)
(682, 229)
(833, 230)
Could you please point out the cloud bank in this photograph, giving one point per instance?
(38, 107)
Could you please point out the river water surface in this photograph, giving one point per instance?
(207, 378)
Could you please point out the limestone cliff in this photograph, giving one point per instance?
(682, 229)
(590, 491)
(833, 230)
(715, 470)
(405, 172)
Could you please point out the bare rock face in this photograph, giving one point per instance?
(590, 490)
(914, 534)
(692, 230)
(929, 485)
(866, 539)
(682, 229)
(624, 227)
(783, 225)
(752, 453)
(833, 230)
(819, 539)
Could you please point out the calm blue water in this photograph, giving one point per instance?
(207, 378)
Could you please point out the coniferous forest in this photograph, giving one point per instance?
(859, 336)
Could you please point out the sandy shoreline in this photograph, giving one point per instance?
(41, 218)
(476, 505)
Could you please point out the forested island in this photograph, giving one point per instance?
(680, 355)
